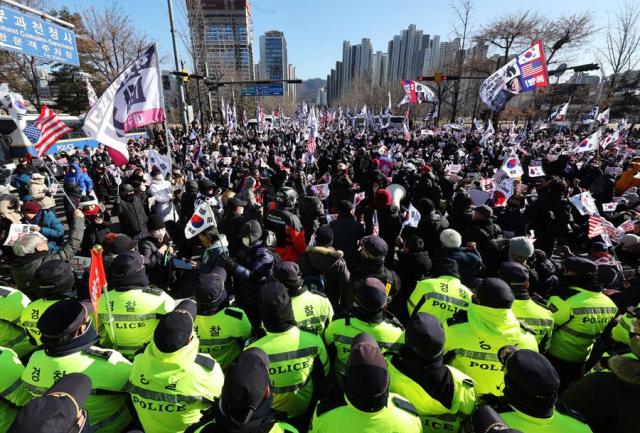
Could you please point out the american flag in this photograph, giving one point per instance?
(532, 68)
(599, 226)
(46, 131)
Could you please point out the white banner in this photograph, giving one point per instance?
(134, 99)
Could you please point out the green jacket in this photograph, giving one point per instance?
(312, 311)
(398, 416)
(169, 390)
(340, 334)
(295, 357)
(435, 417)
(441, 297)
(223, 334)
(13, 394)
(30, 316)
(536, 318)
(12, 334)
(558, 423)
(473, 340)
(135, 314)
(108, 371)
(580, 316)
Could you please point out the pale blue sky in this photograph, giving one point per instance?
(315, 29)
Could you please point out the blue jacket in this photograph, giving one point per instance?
(50, 227)
(79, 177)
(21, 183)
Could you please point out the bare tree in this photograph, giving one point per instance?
(461, 29)
(566, 33)
(622, 50)
(508, 32)
(116, 42)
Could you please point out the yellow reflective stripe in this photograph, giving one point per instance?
(16, 340)
(576, 333)
(34, 389)
(129, 317)
(122, 410)
(287, 356)
(217, 341)
(290, 388)
(318, 320)
(445, 298)
(536, 322)
(15, 385)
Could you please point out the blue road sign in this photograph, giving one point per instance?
(276, 89)
(27, 34)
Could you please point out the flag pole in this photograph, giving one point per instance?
(44, 163)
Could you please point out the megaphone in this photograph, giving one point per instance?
(397, 194)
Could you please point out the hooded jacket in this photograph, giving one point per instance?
(328, 263)
(50, 227)
(474, 338)
(79, 178)
(182, 382)
(38, 190)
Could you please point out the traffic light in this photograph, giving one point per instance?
(437, 76)
(185, 77)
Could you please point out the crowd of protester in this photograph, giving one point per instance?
(317, 300)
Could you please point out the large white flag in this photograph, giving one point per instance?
(511, 166)
(584, 203)
(161, 162)
(15, 105)
(487, 133)
(559, 114)
(417, 93)
(589, 144)
(202, 219)
(413, 219)
(133, 99)
(603, 117)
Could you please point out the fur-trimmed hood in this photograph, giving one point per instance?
(626, 369)
(322, 258)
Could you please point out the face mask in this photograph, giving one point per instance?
(159, 234)
(246, 241)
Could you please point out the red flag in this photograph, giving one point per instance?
(97, 279)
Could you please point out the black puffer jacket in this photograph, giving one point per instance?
(328, 263)
(132, 215)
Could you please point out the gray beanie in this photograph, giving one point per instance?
(520, 248)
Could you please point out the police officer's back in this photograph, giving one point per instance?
(54, 280)
(12, 334)
(245, 403)
(368, 315)
(366, 406)
(535, 317)
(221, 329)
(581, 312)
(171, 382)
(531, 393)
(312, 310)
(442, 296)
(13, 394)
(130, 311)
(298, 359)
(442, 395)
(68, 338)
(474, 337)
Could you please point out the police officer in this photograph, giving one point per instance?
(245, 403)
(372, 253)
(171, 382)
(13, 394)
(12, 334)
(442, 296)
(581, 312)
(134, 308)
(443, 396)
(474, 337)
(286, 225)
(366, 406)
(68, 338)
(312, 310)
(298, 359)
(221, 329)
(535, 317)
(368, 316)
(54, 280)
(60, 410)
(530, 395)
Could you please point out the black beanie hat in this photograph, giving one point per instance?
(366, 382)
(156, 222)
(513, 273)
(245, 386)
(175, 329)
(275, 307)
(425, 335)
(127, 270)
(288, 273)
(61, 321)
(324, 236)
(584, 273)
(371, 295)
(209, 291)
(445, 266)
(252, 229)
(53, 278)
(531, 383)
(495, 293)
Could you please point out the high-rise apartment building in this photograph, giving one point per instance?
(273, 57)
